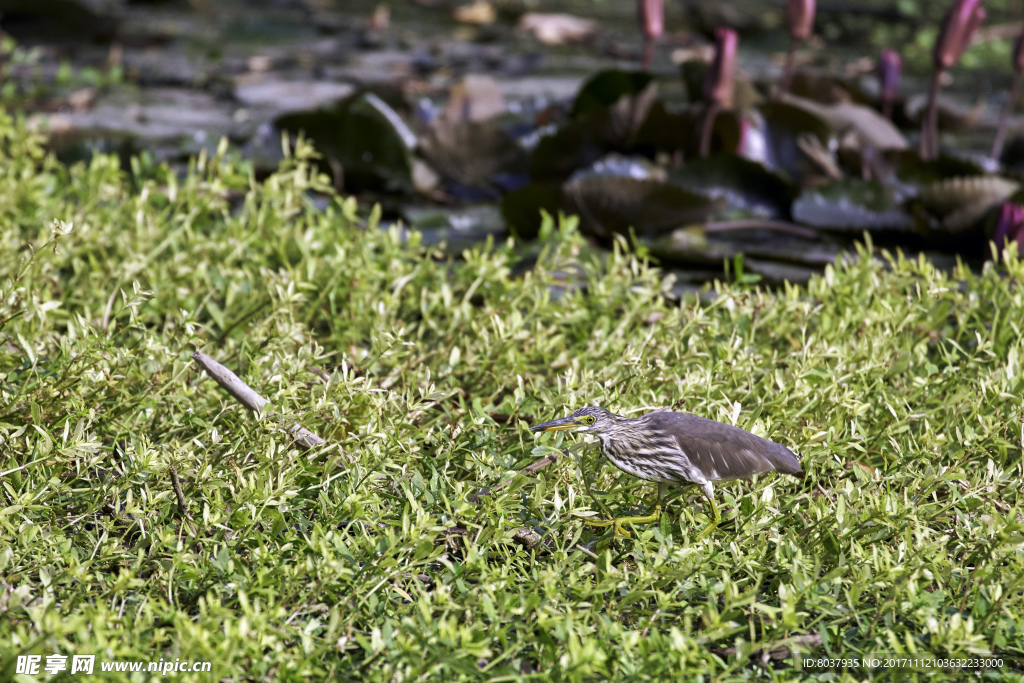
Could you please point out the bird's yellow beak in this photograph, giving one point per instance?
(559, 425)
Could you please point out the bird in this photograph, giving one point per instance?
(672, 448)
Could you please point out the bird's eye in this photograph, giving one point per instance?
(589, 419)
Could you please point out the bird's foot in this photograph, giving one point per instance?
(619, 521)
(706, 530)
(715, 519)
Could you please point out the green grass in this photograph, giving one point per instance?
(900, 385)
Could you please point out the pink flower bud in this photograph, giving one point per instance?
(800, 14)
(718, 84)
(651, 16)
(958, 29)
(1009, 225)
(890, 66)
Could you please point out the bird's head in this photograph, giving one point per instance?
(591, 420)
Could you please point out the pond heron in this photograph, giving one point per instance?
(674, 449)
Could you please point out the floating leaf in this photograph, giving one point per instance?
(774, 273)
(478, 13)
(910, 168)
(870, 128)
(471, 153)
(598, 128)
(606, 88)
(788, 120)
(460, 228)
(826, 87)
(1013, 156)
(627, 116)
(616, 165)
(693, 245)
(556, 29)
(693, 73)
(783, 126)
(558, 155)
(851, 204)
(669, 130)
(475, 98)
(522, 208)
(614, 204)
(960, 203)
(946, 196)
(365, 137)
(954, 116)
(743, 184)
(585, 140)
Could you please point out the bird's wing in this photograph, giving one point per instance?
(722, 452)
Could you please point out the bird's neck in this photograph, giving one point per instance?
(619, 441)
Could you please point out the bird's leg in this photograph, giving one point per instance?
(662, 490)
(634, 519)
(715, 517)
(619, 521)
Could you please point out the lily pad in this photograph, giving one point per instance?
(954, 115)
(365, 137)
(870, 128)
(626, 116)
(594, 132)
(744, 185)
(788, 120)
(608, 87)
(959, 204)
(621, 166)
(471, 153)
(693, 245)
(588, 138)
(783, 127)
(670, 129)
(911, 169)
(774, 273)
(460, 228)
(522, 208)
(828, 88)
(576, 144)
(693, 73)
(945, 196)
(1013, 156)
(614, 204)
(851, 205)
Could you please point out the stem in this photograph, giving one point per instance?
(586, 484)
(707, 128)
(929, 148)
(245, 395)
(787, 72)
(1004, 118)
(887, 107)
(762, 224)
(648, 53)
(178, 493)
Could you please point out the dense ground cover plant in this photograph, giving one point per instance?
(899, 384)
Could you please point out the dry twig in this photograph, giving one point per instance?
(245, 395)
